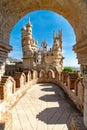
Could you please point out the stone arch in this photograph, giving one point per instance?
(51, 73)
(70, 10)
(35, 74)
(75, 11)
(41, 74)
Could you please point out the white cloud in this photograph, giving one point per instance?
(63, 51)
(65, 44)
(15, 54)
(49, 47)
(71, 62)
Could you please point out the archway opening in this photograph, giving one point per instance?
(74, 11)
(44, 24)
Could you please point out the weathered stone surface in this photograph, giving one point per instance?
(20, 79)
(7, 87)
(6, 121)
(66, 8)
(75, 11)
(76, 96)
(72, 77)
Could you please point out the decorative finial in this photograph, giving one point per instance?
(29, 23)
(60, 32)
(29, 20)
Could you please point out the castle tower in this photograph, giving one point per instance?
(57, 43)
(54, 59)
(57, 51)
(44, 46)
(29, 47)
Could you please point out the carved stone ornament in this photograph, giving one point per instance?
(84, 73)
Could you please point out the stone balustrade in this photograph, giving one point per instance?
(69, 82)
(41, 74)
(50, 74)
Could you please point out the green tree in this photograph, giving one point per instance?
(68, 69)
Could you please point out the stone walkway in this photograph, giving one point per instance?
(43, 107)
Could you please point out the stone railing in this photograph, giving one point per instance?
(12, 88)
(69, 82)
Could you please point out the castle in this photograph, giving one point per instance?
(42, 58)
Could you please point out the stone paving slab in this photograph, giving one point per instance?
(43, 107)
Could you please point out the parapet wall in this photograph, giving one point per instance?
(75, 93)
(20, 82)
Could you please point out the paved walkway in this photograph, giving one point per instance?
(43, 107)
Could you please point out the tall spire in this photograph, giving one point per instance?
(60, 33)
(29, 20)
(29, 23)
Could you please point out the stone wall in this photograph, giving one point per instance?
(7, 87)
(20, 79)
(68, 82)
(27, 79)
(6, 121)
(72, 77)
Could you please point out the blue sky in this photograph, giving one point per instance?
(44, 23)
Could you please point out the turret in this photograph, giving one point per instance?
(29, 29)
(44, 46)
(57, 43)
(29, 46)
(27, 34)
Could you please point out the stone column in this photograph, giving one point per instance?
(84, 73)
(81, 51)
(4, 50)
